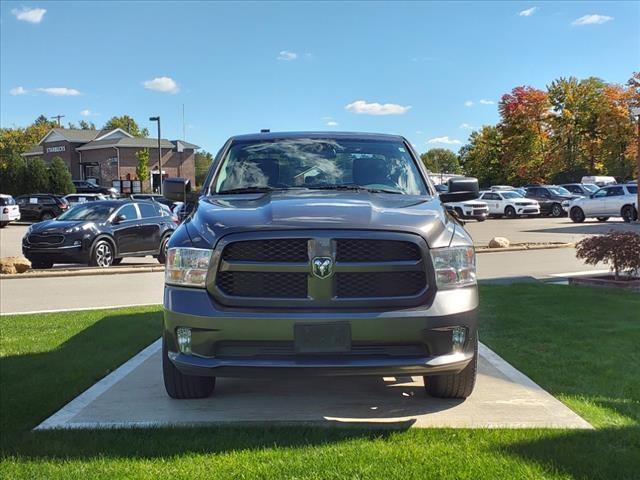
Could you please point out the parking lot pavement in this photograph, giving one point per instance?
(541, 229)
(134, 395)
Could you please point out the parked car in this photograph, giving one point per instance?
(551, 199)
(100, 234)
(499, 188)
(469, 210)
(84, 186)
(356, 270)
(76, 198)
(154, 197)
(509, 204)
(611, 201)
(41, 206)
(9, 211)
(582, 189)
(599, 180)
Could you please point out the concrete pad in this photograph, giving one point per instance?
(134, 396)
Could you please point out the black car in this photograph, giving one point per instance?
(582, 189)
(101, 234)
(551, 199)
(41, 206)
(83, 186)
(154, 197)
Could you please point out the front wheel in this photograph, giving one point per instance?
(102, 254)
(629, 213)
(182, 386)
(455, 385)
(556, 210)
(577, 215)
(162, 256)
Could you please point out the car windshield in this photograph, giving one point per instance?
(510, 195)
(86, 213)
(316, 163)
(590, 187)
(559, 191)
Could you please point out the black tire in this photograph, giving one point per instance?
(182, 386)
(47, 216)
(41, 264)
(556, 210)
(102, 254)
(602, 219)
(510, 212)
(162, 256)
(3, 224)
(117, 261)
(455, 385)
(629, 213)
(577, 215)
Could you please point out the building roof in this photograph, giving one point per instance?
(74, 134)
(36, 151)
(134, 142)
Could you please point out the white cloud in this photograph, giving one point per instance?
(60, 91)
(31, 15)
(17, 91)
(592, 19)
(162, 84)
(365, 108)
(467, 126)
(444, 140)
(286, 55)
(468, 103)
(487, 102)
(86, 113)
(332, 123)
(528, 12)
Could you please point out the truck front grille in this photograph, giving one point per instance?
(366, 270)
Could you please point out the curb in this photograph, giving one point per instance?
(82, 271)
(519, 248)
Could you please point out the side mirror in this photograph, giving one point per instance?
(118, 219)
(178, 189)
(461, 189)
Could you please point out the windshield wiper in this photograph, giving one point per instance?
(254, 189)
(354, 188)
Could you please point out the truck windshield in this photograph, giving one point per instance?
(315, 163)
(88, 213)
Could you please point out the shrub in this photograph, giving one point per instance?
(60, 178)
(12, 175)
(619, 250)
(35, 176)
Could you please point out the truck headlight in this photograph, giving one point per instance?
(454, 266)
(187, 266)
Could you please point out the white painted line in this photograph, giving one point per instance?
(106, 307)
(578, 274)
(61, 418)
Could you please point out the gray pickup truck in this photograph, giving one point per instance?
(319, 254)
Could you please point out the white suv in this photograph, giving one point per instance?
(509, 204)
(9, 211)
(610, 201)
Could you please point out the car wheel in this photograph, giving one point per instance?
(3, 224)
(556, 210)
(162, 256)
(182, 386)
(510, 212)
(577, 215)
(46, 216)
(629, 213)
(456, 385)
(602, 219)
(101, 254)
(117, 261)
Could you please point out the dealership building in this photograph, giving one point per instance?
(108, 157)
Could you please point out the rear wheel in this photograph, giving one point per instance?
(102, 254)
(577, 215)
(162, 256)
(602, 219)
(183, 386)
(510, 212)
(629, 213)
(456, 385)
(556, 210)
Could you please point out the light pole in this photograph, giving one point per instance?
(157, 119)
(635, 111)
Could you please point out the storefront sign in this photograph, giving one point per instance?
(61, 148)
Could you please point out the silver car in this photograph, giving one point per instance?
(610, 201)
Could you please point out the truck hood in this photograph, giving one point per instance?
(217, 216)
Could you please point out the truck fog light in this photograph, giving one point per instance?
(184, 339)
(458, 337)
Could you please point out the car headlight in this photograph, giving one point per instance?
(454, 266)
(187, 266)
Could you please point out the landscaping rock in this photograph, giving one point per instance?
(499, 242)
(14, 265)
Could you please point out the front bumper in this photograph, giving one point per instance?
(428, 328)
(60, 254)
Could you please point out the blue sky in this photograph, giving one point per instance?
(429, 71)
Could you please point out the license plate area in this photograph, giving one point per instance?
(322, 338)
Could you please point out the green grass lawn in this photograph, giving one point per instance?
(580, 344)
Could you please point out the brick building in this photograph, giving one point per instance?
(107, 155)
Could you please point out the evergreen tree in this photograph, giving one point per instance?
(60, 178)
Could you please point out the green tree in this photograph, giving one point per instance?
(128, 124)
(12, 175)
(441, 160)
(482, 156)
(203, 161)
(35, 176)
(142, 169)
(60, 178)
(84, 125)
